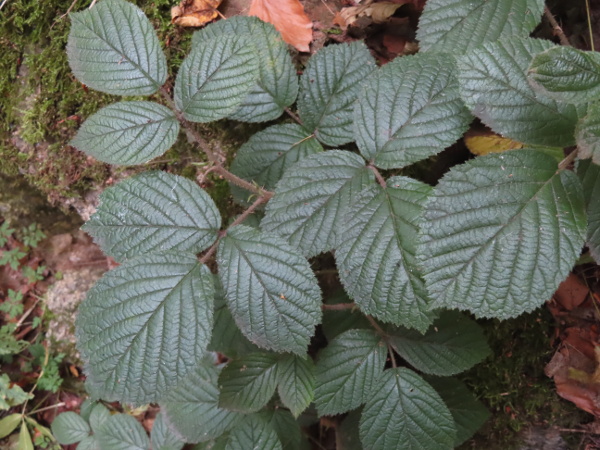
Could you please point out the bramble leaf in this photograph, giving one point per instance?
(270, 289)
(494, 85)
(114, 49)
(162, 437)
(68, 428)
(500, 233)
(128, 133)
(410, 110)
(376, 260)
(589, 174)
(253, 432)
(296, 382)
(587, 134)
(143, 325)
(328, 89)
(122, 432)
(154, 211)
(313, 198)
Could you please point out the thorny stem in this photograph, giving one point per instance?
(378, 176)
(556, 27)
(568, 160)
(338, 307)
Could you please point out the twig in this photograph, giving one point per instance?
(589, 21)
(35, 411)
(26, 315)
(567, 161)
(556, 27)
(338, 306)
(61, 17)
(292, 115)
(378, 176)
(3, 3)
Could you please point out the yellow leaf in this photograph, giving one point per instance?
(482, 143)
(195, 13)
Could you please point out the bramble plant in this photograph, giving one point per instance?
(495, 237)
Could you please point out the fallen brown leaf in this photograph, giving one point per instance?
(288, 17)
(195, 13)
(378, 12)
(571, 293)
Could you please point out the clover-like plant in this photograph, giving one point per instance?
(495, 237)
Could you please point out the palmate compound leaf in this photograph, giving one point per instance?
(154, 211)
(347, 371)
(122, 432)
(410, 110)
(269, 153)
(277, 84)
(114, 49)
(313, 198)
(589, 174)
(500, 233)
(455, 26)
(270, 289)
(493, 84)
(566, 74)
(587, 134)
(376, 260)
(192, 407)
(328, 89)
(143, 326)
(215, 78)
(128, 133)
(405, 413)
(468, 413)
(453, 344)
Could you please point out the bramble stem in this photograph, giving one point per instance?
(378, 176)
(292, 115)
(568, 160)
(338, 306)
(556, 27)
(375, 325)
(392, 357)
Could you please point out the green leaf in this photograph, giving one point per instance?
(313, 198)
(589, 174)
(494, 85)
(376, 260)
(287, 428)
(89, 443)
(346, 371)
(405, 412)
(114, 49)
(254, 432)
(453, 344)
(11, 394)
(296, 378)
(500, 233)
(277, 85)
(409, 111)
(128, 133)
(162, 437)
(122, 432)
(469, 414)
(192, 408)
(566, 74)
(455, 26)
(328, 89)
(248, 383)
(9, 424)
(154, 211)
(69, 428)
(335, 322)
(270, 289)
(268, 154)
(25, 442)
(143, 325)
(85, 410)
(215, 78)
(587, 134)
(98, 416)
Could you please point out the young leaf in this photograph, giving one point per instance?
(277, 85)
(162, 437)
(10, 423)
(269, 153)
(98, 416)
(254, 432)
(215, 78)
(409, 111)
(500, 233)
(192, 408)
(143, 325)
(122, 432)
(376, 260)
(270, 289)
(248, 383)
(404, 412)
(296, 382)
(494, 85)
(455, 26)
(154, 211)
(469, 414)
(328, 89)
(128, 133)
(589, 174)
(114, 49)
(453, 344)
(566, 74)
(346, 371)
(587, 134)
(313, 198)
(69, 428)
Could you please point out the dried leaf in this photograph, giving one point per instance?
(195, 13)
(379, 12)
(483, 142)
(571, 293)
(289, 19)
